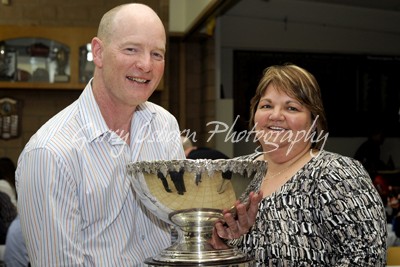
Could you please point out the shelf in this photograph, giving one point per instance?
(42, 85)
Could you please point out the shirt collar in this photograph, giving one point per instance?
(93, 123)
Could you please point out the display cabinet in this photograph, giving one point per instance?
(36, 57)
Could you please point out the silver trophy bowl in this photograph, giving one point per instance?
(191, 195)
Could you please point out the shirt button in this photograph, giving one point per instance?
(143, 237)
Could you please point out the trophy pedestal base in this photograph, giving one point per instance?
(245, 262)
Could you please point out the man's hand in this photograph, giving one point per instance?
(235, 227)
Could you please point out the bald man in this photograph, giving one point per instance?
(75, 200)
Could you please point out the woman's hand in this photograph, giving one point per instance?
(236, 226)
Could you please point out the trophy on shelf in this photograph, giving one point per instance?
(191, 195)
(62, 62)
(7, 62)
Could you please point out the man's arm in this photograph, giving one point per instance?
(48, 207)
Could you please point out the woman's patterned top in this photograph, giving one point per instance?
(327, 214)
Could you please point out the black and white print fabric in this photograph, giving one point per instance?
(327, 214)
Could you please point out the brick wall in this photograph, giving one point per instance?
(37, 107)
(67, 13)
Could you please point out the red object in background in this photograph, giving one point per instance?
(381, 185)
(38, 50)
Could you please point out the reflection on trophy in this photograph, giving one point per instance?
(185, 193)
(62, 61)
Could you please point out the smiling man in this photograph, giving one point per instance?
(76, 204)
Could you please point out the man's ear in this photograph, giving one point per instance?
(97, 51)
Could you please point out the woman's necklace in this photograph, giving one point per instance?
(276, 174)
(266, 178)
